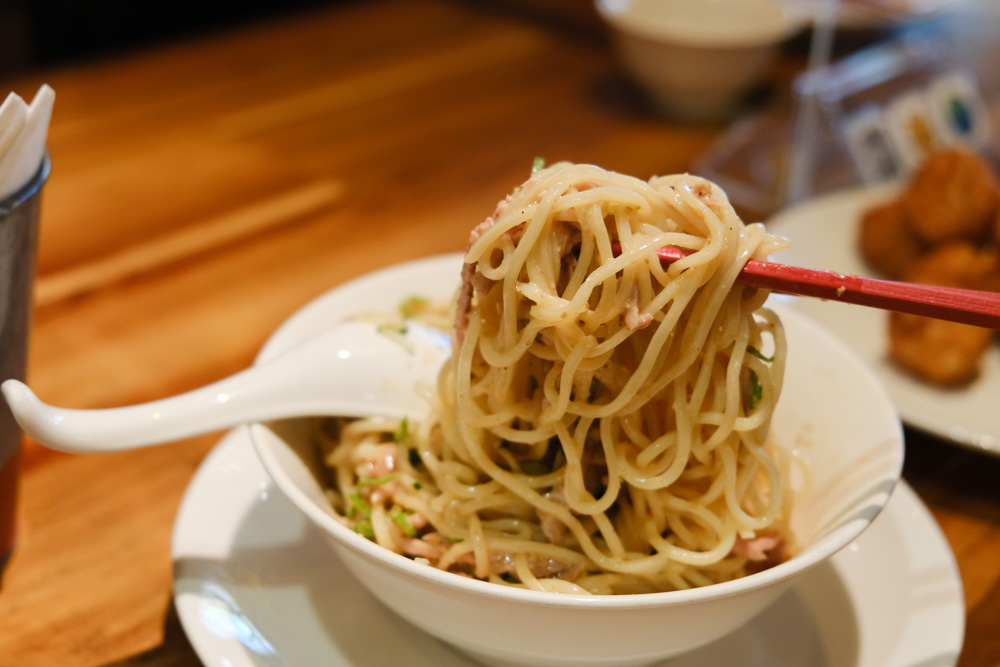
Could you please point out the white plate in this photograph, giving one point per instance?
(256, 584)
(823, 233)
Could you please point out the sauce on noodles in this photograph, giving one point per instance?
(602, 425)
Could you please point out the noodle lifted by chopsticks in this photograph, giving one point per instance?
(602, 426)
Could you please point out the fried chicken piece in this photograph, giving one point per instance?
(939, 351)
(885, 240)
(958, 264)
(946, 353)
(953, 195)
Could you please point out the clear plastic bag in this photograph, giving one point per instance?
(873, 116)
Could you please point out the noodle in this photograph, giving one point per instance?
(602, 426)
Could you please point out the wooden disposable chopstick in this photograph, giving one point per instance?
(944, 303)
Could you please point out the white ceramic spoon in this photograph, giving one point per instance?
(352, 370)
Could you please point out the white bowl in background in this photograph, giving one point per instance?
(698, 59)
(833, 412)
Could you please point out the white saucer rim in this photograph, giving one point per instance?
(905, 506)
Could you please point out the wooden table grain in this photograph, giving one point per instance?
(203, 191)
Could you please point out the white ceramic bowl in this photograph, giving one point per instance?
(832, 411)
(697, 59)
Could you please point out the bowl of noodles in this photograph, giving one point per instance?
(621, 461)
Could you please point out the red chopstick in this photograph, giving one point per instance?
(944, 303)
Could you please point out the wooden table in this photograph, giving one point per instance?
(202, 192)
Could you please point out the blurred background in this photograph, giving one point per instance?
(38, 33)
(843, 57)
(198, 145)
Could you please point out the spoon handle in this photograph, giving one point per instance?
(350, 371)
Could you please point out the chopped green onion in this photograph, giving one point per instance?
(537, 165)
(397, 333)
(413, 306)
(417, 486)
(594, 386)
(364, 527)
(400, 518)
(357, 505)
(376, 481)
(403, 433)
(757, 353)
(756, 390)
(391, 329)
